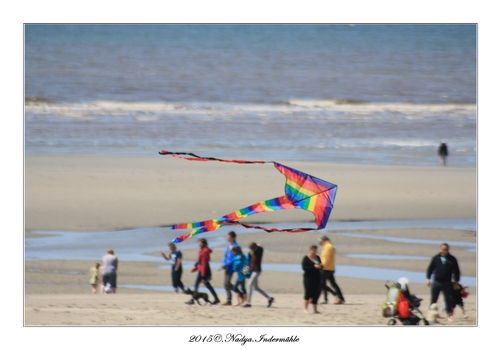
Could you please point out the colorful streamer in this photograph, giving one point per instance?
(302, 191)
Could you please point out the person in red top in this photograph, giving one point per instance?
(203, 268)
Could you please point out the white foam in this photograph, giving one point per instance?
(329, 108)
(408, 143)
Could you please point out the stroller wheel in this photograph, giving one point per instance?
(392, 322)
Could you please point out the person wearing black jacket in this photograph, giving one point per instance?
(255, 258)
(445, 268)
(443, 152)
(311, 278)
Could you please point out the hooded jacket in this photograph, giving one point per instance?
(238, 264)
(202, 264)
(229, 256)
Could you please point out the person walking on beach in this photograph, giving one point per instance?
(255, 258)
(443, 152)
(176, 257)
(227, 265)
(328, 257)
(445, 270)
(238, 265)
(202, 266)
(311, 264)
(457, 298)
(109, 272)
(94, 277)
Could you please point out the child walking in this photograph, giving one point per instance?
(457, 298)
(238, 264)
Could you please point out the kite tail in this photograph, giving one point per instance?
(217, 224)
(214, 226)
(206, 159)
(198, 227)
(292, 230)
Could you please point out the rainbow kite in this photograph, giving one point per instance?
(302, 191)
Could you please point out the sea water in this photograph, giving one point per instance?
(366, 94)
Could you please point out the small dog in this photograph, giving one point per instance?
(433, 314)
(197, 295)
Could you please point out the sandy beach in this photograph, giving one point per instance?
(106, 193)
(78, 193)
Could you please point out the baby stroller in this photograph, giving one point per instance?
(400, 304)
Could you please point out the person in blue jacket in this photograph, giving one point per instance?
(227, 265)
(239, 262)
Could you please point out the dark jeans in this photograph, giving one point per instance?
(207, 284)
(446, 289)
(110, 278)
(329, 276)
(240, 291)
(176, 278)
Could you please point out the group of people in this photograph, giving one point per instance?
(104, 274)
(234, 262)
(318, 270)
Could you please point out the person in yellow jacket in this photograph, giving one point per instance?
(328, 257)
